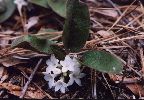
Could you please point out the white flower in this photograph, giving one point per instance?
(56, 67)
(19, 4)
(53, 63)
(77, 64)
(69, 64)
(50, 79)
(53, 70)
(61, 85)
(31, 22)
(75, 76)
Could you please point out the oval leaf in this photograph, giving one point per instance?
(59, 6)
(8, 11)
(33, 43)
(42, 3)
(102, 61)
(76, 28)
(2, 7)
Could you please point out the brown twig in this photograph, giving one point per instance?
(64, 96)
(94, 89)
(75, 94)
(30, 79)
(108, 85)
(142, 59)
(49, 96)
(124, 39)
(122, 15)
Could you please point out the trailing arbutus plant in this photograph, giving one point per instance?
(75, 34)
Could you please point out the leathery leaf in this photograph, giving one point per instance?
(33, 43)
(102, 61)
(77, 23)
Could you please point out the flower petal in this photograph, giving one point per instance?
(49, 69)
(68, 58)
(63, 63)
(64, 69)
(78, 81)
(49, 63)
(71, 80)
(76, 70)
(82, 75)
(45, 73)
(51, 83)
(71, 68)
(47, 77)
(57, 87)
(56, 71)
(64, 84)
(54, 60)
(62, 89)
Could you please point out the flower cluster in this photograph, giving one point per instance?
(57, 72)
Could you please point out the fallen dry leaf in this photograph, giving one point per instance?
(3, 74)
(104, 33)
(141, 33)
(131, 83)
(10, 61)
(37, 94)
(136, 89)
(31, 93)
(3, 43)
(10, 87)
(1, 71)
(108, 13)
(3, 78)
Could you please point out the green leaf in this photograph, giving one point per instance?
(59, 52)
(59, 6)
(33, 43)
(6, 10)
(76, 28)
(42, 3)
(2, 7)
(102, 61)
